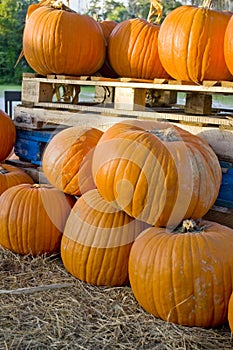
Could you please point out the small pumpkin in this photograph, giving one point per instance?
(228, 45)
(156, 171)
(59, 40)
(184, 276)
(7, 135)
(11, 175)
(190, 43)
(67, 159)
(133, 50)
(32, 218)
(97, 240)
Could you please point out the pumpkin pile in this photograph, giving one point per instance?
(152, 179)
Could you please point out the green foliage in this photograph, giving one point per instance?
(12, 19)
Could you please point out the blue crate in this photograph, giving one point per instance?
(225, 195)
(30, 144)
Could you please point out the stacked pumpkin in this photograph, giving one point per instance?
(61, 41)
(32, 216)
(9, 175)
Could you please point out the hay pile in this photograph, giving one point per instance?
(43, 307)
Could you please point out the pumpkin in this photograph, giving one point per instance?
(97, 240)
(32, 218)
(61, 41)
(7, 135)
(156, 171)
(184, 276)
(230, 312)
(106, 70)
(11, 175)
(228, 45)
(190, 44)
(133, 50)
(67, 159)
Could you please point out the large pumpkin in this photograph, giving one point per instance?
(184, 277)
(7, 135)
(11, 175)
(97, 240)
(228, 45)
(190, 44)
(133, 50)
(61, 41)
(156, 172)
(67, 159)
(32, 218)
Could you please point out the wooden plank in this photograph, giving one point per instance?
(173, 85)
(129, 99)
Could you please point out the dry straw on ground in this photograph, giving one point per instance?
(43, 307)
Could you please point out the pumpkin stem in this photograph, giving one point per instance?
(156, 9)
(168, 134)
(3, 170)
(207, 4)
(190, 225)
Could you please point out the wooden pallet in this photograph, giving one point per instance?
(125, 94)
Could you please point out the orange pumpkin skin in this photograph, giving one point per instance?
(156, 172)
(136, 42)
(228, 45)
(190, 44)
(7, 135)
(106, 70)
(230, 313)
(32, 218)
(11, 176)
(67, 159)
(185, 278)
(97, 240)
(63, 42)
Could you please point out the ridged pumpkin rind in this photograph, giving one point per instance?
(191, 44)
(97, 240)
(32, 218)
(185, 278)
(12, 176)
(7, 135)
(67, 159)
(62, 42)
(159, 181)
(228, 45)
(133, 50)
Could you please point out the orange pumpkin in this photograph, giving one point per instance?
(97, 240)
(67, 159)
(228, 45)
(133, 50)
(184, 276)
(156, 172)
(61, 41)
(11, 175)
(7, 135)
(190, 44)
(106, 70)
(32, 218)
